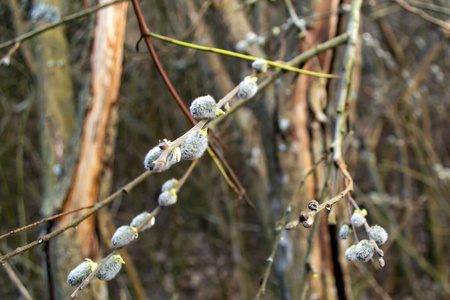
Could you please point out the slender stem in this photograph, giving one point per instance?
(282, 223)
(238, 55)
(300, 59)
(45, 220)
(311, 238)
(154, 213)
(144, 31)
(64, 20)
(17, 282)
(123, 190)
(271, 258)
(349, 60)
(423, 15)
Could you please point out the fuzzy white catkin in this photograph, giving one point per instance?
(44, 12)
(358, 219)
(169, 184)
(364, 251)
(241, 45)
(167, 198)
(378, 234)
(247, 88)
(156, 152)
(345, 232)
(204, 107)
(350, 253)
(251, 37)
(110, 268)
(141, 218)
(81, 272)
(123, 236)
(259, 66)
(194, 146)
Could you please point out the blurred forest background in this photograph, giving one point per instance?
(80, 108)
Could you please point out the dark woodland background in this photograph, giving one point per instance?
(211, 244)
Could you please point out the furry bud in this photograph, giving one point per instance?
(259, 66)
(350, 253)
(251, 37)
(172, 158)
(378, 234)
(169, 184)
(110, 268)
(276, 31)
(247, 88)
(358, 219)
(45, 12)
(306, 219)
(381, 262)
(124, 235)
(364, 251)
(141, 219)
(81, 272)
(313, 205)
(168, 198)
(345, 232)
(195, 145)
(205, 107)
(241, 45)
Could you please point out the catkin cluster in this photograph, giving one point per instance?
(364, 250)
(122, 237)
(194, 145)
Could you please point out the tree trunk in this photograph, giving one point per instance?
(93, 167)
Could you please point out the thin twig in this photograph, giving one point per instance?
(300, 59)
(6, 60)
(423, 15)
(329, 203)
(44, 220)
(344, 90)
(282, 223)
(311, 238)
(64, 20)
(17, 282)
(147, 219)
(123, 190)
(238, 55)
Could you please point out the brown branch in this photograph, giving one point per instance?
(423, 15)
(17, 282)
(44, 220)
(282, 223)
(144, 35)
(123, 190)
(154, 213)
(327, 204)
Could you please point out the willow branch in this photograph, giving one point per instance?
(17, 282)
(45, 220)
(349, 60)
(282, 223)
(123, 190)
(238, 55)
(144, 223)
(300, 59)
(423, 15)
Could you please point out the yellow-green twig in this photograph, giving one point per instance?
(238, 55)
